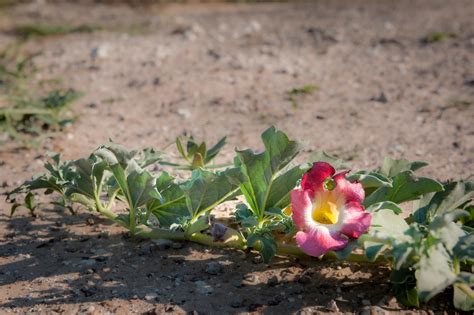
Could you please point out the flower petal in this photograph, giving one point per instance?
(319, 241)
(300, 205)
(351, 191)
(355, 220)
(314, 178)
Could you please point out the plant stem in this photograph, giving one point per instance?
(158, 233)
(466, 289)
(204, 239)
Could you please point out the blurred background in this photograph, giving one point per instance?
(360, 79)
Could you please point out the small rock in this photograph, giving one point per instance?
(381, 98)
(213, 268)
(218, 231)
(162, 244)
(87, 262)
(305, 279)
(184, 112)
(101, 51)
(275, 300)
(151, 296)
(272, 281)
(203, 288)
(237, 303)
(257, 259)
(177, 245)
(332, 306)
(250, 280)
(291, 299)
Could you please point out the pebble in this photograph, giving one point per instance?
(237, 303)
(213, 268)
(272, 281)
(162, 244)
(151, 296)
(366, 302)
(204, 288)
(177, 245)
(250, 280)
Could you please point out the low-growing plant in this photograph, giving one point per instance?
(309, 210)
(196, 154)
(27, 112)
(304, 90)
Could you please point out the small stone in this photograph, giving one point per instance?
(250, 280)
(332, 306)
(213, 268)
(151, 296)
(272, 281)
(162, 244)
(203, 288)
(237, 303)
(291, 299)
(381, 98)
(87, 262)
(101, 51)
(177, 245)
(305, 279)
(257, 259)
(184, 112)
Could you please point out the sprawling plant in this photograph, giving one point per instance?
(285, 209)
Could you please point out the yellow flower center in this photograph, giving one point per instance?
(326, 211)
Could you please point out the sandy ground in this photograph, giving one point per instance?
(157, 72)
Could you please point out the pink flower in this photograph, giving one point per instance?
(327, 210)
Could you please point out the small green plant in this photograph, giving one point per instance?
(28, 111)
(196, 154)
(438, 37)
(304, 90)
(43, 30)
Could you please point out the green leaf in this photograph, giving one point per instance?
(384, 205)
(148, 157)
(279, 193)
(386, 224)
(141, 187)
(265, 244)
(434, 272)
(180, 147)
(171, 204)
(404, 286)
(212, 152)
(322, 156)
(391, 167)
(346, 251)
(114, 154)
(464, 248)
(261, 170)
(461, 300)
(244, 216)
(405, 187)
(201, 224)
(88, 175)
(205, 189)
(454, 196)
(30, 203)
(370, 179)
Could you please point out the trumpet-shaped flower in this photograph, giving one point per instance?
(327, 210)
